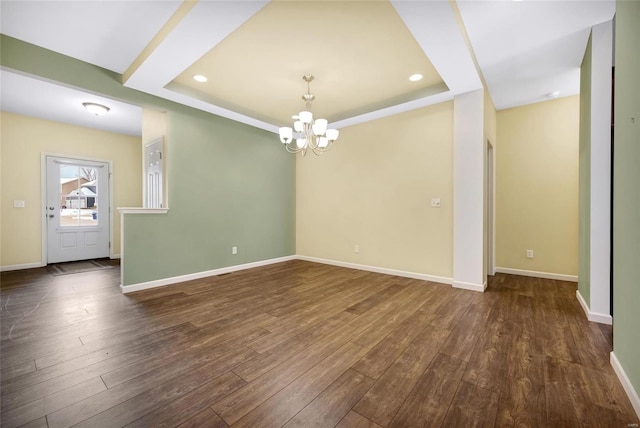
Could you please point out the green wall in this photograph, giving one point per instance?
(626, 192)
(229, 184)
(584, 186)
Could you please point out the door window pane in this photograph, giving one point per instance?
(78, 196)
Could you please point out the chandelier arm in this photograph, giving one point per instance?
(306, 136)
(290, 150)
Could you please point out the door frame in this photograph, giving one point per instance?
(491, 208)
(43, 198)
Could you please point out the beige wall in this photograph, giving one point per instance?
(23, 139)
(374, 190)
(537, 187)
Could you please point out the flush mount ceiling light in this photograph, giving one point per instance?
(552, 95)
(415, 77)
(97, 109)
(200, 78)
(308, 133)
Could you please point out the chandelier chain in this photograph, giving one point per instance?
(308, 133)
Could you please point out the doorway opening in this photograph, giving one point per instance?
(77, 220)
(490, 201)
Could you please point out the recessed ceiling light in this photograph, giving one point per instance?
(200, 78)
(97, 109)
(415, 77)
(552, 95)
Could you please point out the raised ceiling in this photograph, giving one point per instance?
(333, 41)
(361, 52)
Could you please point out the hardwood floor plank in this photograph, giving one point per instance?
(428, 402)
(522, 399)
(486, 366)
(18, 369)
(381, 356)
(379, 329)
(274, 339)
(285, 404)
(464, 334)
(109, 346)
(334, 403)
(205, 419)
(72, 366)
(355, 420)
(387, 290)
(196, 401)
(448, 317)
(172, 356)
(593, 348)
(247, 398)
(105, 402)
(520, 354)
(274, 356)
(51, 403)
(36, 423)
(163, 394)
(388, 394)
(472, 406)
(560, 407)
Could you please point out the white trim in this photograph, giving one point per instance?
(470, 286)
(536, 274)
(600, 168)
(197, 275)
(138, 210)
(422, 276)
(21, 266)
(626, 383)
(115, 256)
(468, 190)
(593, 316)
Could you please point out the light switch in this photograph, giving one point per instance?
(435, 202)
(18, 204)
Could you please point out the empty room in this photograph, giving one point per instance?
(376, 213)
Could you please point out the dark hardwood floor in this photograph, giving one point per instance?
(299, 344)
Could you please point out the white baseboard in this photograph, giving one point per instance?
(593, 316)
(197, 275)
(115, 256)
(626, 383)
(536, 274)
(422, 276)
(470, 286)
(21, 266)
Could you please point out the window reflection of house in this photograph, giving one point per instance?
(69, 184)
(78, 193)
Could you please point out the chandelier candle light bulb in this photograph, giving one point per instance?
(308, 133)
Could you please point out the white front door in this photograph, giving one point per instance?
(77, 210)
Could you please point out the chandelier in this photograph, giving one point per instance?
(307, 132)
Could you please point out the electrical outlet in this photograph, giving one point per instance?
(529, 254)
(435, 202)
(18, 204)
(234, 250)
(356, 249)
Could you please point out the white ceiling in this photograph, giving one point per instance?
(528, 49)
(525, 49)
(38, 98)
